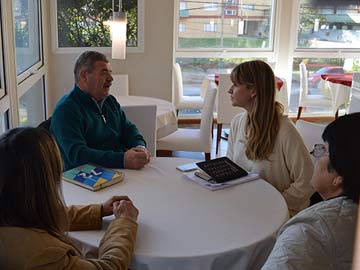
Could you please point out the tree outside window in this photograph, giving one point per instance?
(83, 23)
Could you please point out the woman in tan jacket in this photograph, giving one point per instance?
(263, 140)
(34, 219)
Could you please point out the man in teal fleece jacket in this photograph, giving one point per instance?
(89, 125)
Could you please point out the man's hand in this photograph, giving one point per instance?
(136, 158)
(143, 149)
(126, 209)
(107, 207)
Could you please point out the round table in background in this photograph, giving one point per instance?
(166, 120)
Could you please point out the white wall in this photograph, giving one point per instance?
(150, 72)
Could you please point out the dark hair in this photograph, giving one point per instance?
(30, 178)
(87, 61)
(343, 135)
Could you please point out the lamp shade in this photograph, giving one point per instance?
(118, 35)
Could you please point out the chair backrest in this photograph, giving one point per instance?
(355, 94)
(207, 113)
(283, 97)
(304, 87)
(144, 117)
(178, 85)
(224, 108)
(204, 86)
(310, 132)
(120, 85)
(45, 124)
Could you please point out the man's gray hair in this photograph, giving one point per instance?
(86, 61)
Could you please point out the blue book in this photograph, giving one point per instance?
(92, 176)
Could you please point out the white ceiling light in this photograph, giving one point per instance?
(118, 32)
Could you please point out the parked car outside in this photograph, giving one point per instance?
(314, 78)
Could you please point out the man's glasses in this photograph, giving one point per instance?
(319, 150)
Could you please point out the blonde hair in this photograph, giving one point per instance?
(30, 181)
(263, 121)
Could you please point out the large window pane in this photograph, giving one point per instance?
(84, 23)
(194, 70)
(225, 23)
(329, 24)
(31, 107)
(316, 67)
(27, 33)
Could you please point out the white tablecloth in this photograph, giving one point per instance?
(184, 226)
(166, 120)
(339, 93)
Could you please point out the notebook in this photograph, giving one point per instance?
(221, 170)
(92, 176)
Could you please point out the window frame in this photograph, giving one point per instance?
(228, 52)
(106, 50)
(38, 65)
(26, 85)
(2, 66)
(314, 52)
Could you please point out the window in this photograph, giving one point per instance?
(217, 44)
(4, 125)
(200, 34)
(211, 6)
(230, 12)
(32, 105)
(80, 24)
(27, 34)
(182, 27)
(328, 27)
(2, 78)
(210, 27)
(328, 42)
(194, 70)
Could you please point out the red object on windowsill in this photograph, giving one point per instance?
(344, 79)
(279, 82)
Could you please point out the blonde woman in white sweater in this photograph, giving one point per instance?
(263, 140)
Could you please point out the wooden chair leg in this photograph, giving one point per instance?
(207, 156)
(218, 136)
(163, 153)
(299, 113)
(212, 129)
(337, 114)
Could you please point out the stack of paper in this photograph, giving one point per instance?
(215, 186)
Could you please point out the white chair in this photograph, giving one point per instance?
(355, 94)
(306, 100)
(194, 140)
(283, 97)
(182, 102)
(144, 117)
(120, 85)
(225, 110)
(310, 132)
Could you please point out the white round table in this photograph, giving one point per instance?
(185, 226)
(166, 120)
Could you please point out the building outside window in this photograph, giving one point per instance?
(182, 27)
(200, 50)
(210, 27)
(327, 41)
(208, 6)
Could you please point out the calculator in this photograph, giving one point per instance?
(222, 169)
